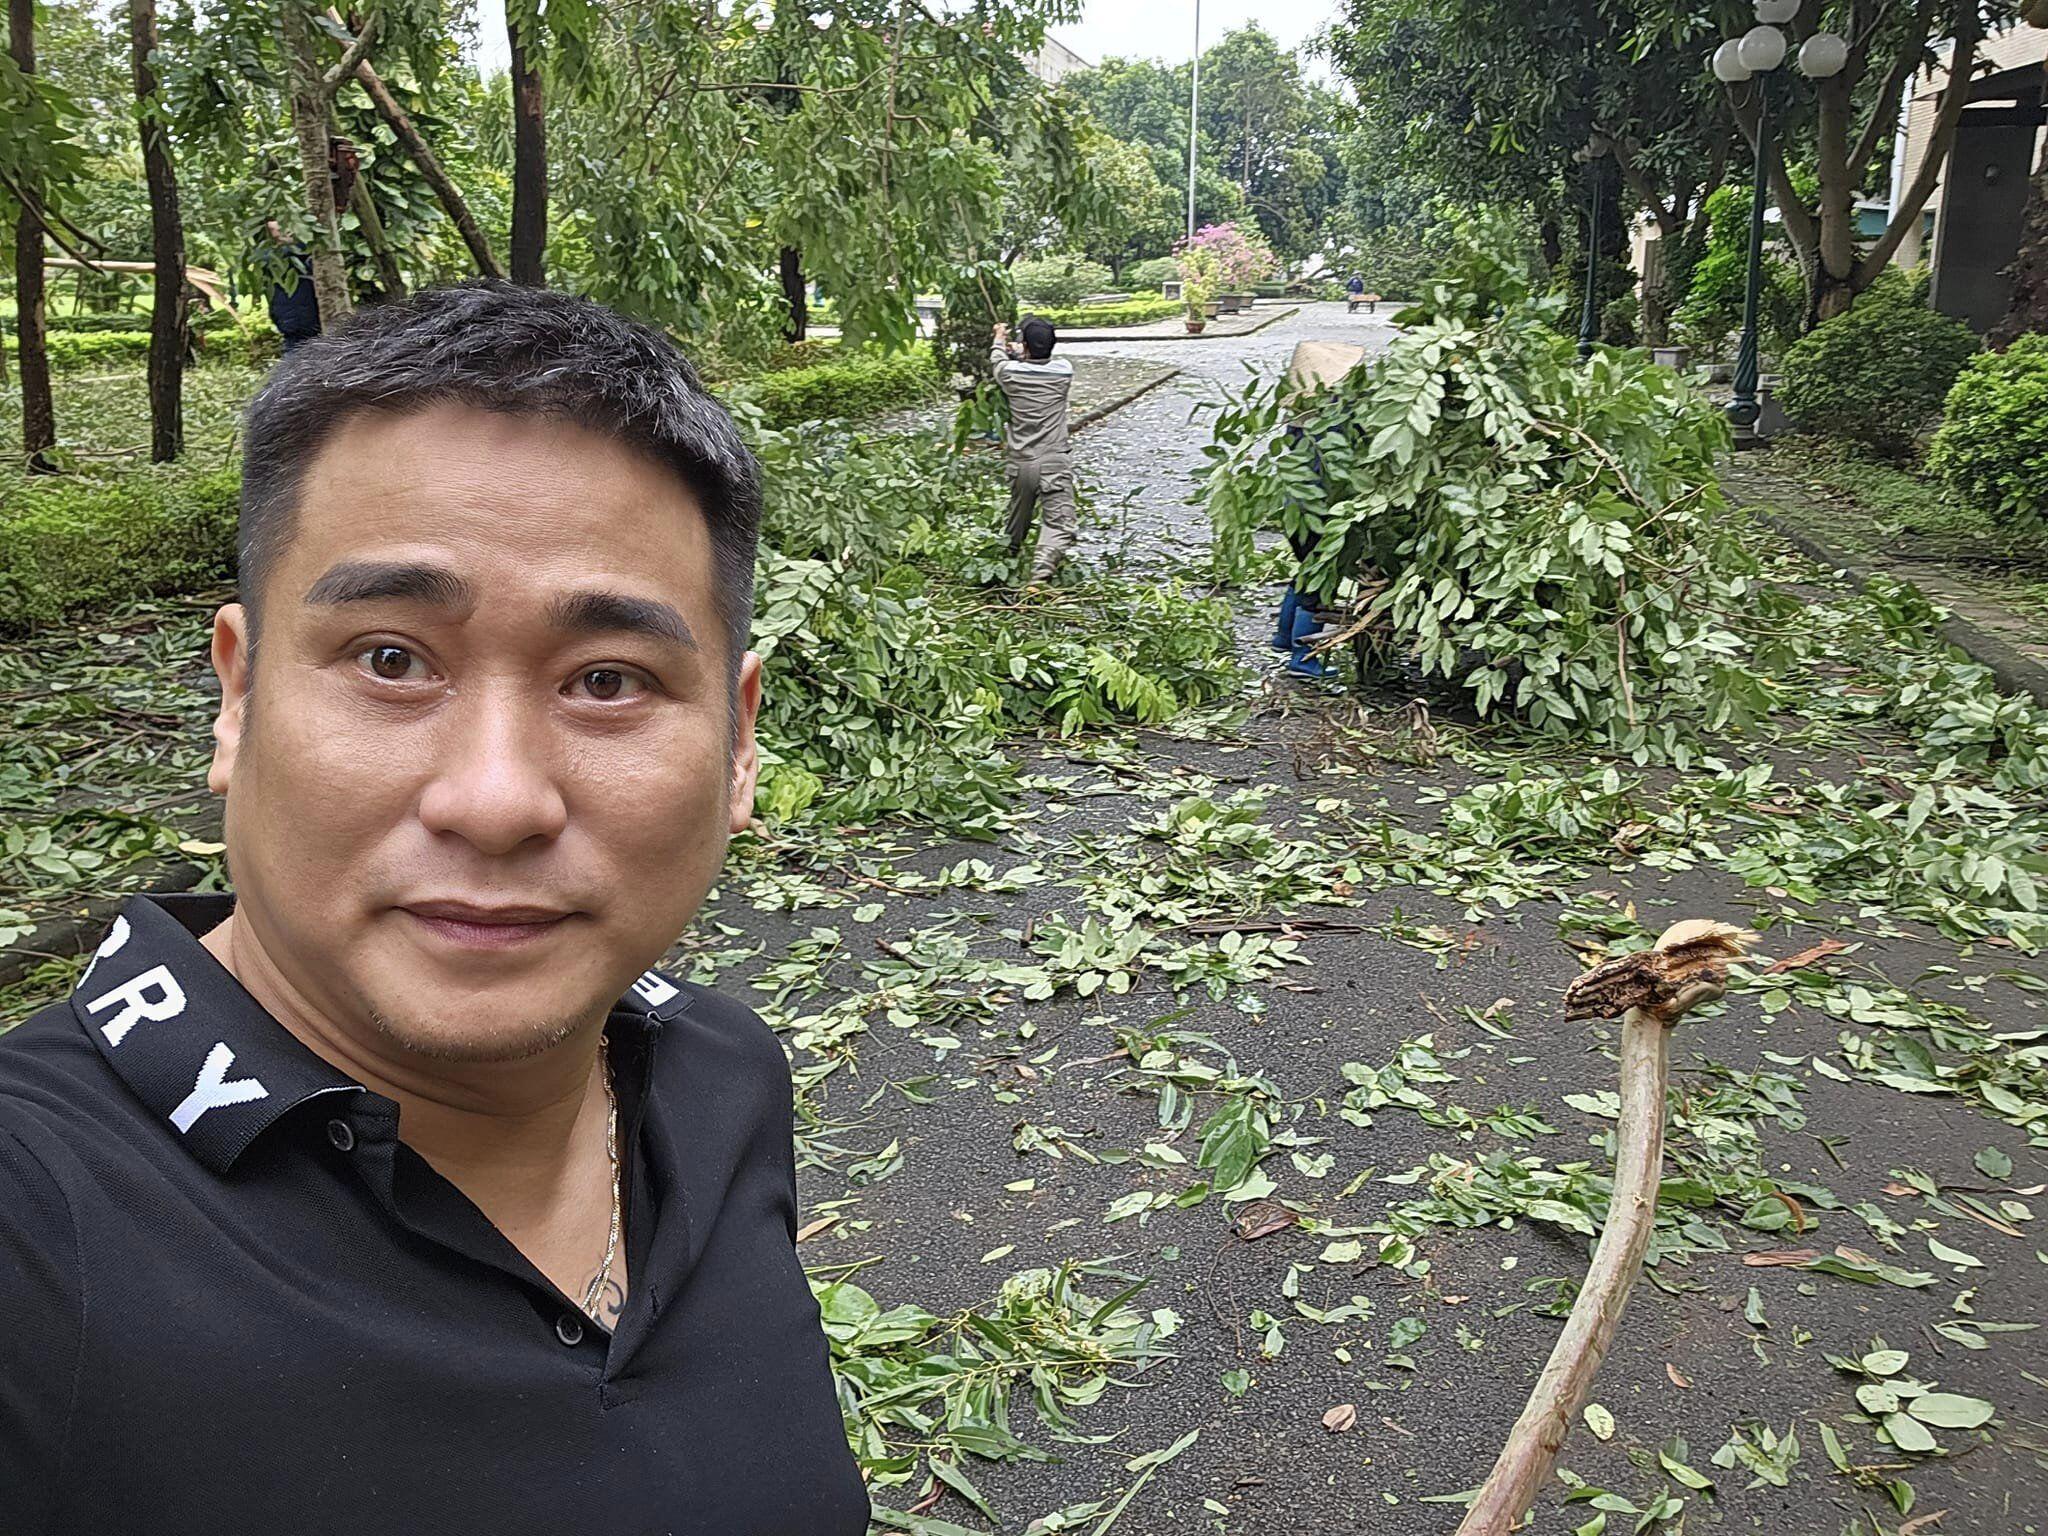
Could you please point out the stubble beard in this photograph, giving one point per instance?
(500, 1045)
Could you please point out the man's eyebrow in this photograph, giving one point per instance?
(369, 581)
(603, 612)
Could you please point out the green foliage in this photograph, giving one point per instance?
(1081, 317)
(1155, 273)
(1877, 374)
(1710, 311)
(69, 548)
(852, 385)
(924, 1393)
(894, 675)
(1060, 280)
(1551, 537)
(972, 301)
(1619, 319)
(71, 350)
(1992, 449)
(1398, 260)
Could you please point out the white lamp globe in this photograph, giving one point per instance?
(1776, 12)
(1728, 65)
(1822, 55)
(1761, 49)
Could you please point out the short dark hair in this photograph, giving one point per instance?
(523, 351)
(1039, 337)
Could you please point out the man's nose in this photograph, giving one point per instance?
(495, 783)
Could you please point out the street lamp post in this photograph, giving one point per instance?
(1194, 107)
(1754, 56)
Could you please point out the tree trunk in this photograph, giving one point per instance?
(798, 324)
(2029, 308)
(1551, 237)
(529, 166)
(389, 278)
(309, 102)
(38, 410)
(1833, 286)
(167, 328)
(430, 167)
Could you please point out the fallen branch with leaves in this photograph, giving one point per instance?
(1651, 991)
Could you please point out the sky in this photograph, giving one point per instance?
(1132, 29)
(1165, 29)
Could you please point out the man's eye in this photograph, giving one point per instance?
(393, 663)
(607, 684)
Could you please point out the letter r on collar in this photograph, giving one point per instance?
(154, 995)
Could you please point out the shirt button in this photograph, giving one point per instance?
(569, 1329)
(342, 1134)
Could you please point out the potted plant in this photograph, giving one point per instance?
(1201, 277)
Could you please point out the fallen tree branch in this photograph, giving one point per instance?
(1651, 990)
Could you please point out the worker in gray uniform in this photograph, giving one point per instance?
(1036, 385)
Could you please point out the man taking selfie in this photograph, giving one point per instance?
(396, 1192)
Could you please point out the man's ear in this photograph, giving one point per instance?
(746, 752)
(233, 651)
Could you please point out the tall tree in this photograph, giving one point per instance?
(529, 146)
(38, 407)
(312, 88)
(422, 155)
(167, 326)
(1853, 116)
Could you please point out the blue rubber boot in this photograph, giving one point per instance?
(1283, 631)
(1299, 661)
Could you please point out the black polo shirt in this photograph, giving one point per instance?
(233, 1300)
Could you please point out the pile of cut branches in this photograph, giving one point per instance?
(1549, 535)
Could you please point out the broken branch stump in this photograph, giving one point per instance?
(1651, 990)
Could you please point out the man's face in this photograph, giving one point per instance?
(486, 764)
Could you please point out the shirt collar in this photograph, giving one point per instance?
(201, 1052)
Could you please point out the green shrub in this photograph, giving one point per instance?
(1095, 316)
(110, 320)
(857, 384)
(1151, 276)
(1877, 374)
(68, 547)
(1992, 449)
(1618, 321)
(71, 351)
(1710, 310)
(1060, 279)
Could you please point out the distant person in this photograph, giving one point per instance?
(1354, 292)
(1041, 470)
(294, 308)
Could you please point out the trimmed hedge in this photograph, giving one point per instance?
(1992, 449)
(1083, 317)
(70, 351)
(858, 384)
(69, 547)
(1877, 374)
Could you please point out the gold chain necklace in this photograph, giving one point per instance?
(611, 1147)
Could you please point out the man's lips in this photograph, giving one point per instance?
(469, 925)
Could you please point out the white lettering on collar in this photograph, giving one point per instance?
(167, 1003)
(116, 937)
(655, 990)
(214, 1090)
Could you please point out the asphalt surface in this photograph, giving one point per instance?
(1688, 1362)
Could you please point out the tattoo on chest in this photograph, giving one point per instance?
(611, 1301)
